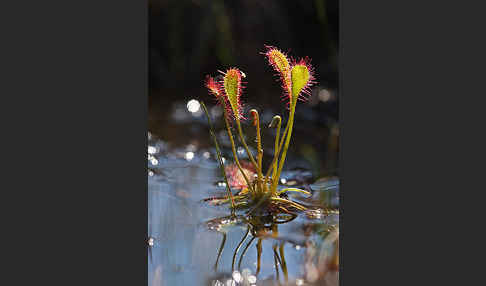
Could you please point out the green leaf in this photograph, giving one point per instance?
(300, 78)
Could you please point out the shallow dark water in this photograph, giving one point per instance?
(183, 247)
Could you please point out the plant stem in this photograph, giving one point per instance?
(275, 156)
(274, 172)
(256, 119)
(233, 148)
(294, 204)
(274, 165)
(242, 139)
(290, 124)
(218, 151)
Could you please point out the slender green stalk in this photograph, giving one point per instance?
(294, 204)
(277, 137)
(256, 119)
(274, 165)
(242, 139)
(218, 151)
(233, 147)
(293, 190)
(290, 124)
(238, 248)
(277, 148)
(219, 252)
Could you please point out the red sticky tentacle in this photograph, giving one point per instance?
(215, 89)
(282, 67)
(240, 86)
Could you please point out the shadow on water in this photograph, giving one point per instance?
(194, 243)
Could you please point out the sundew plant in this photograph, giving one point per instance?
(261, 192)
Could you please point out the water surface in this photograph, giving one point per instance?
(183, 247)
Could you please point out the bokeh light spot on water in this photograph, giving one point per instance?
(151, 150)
(153, 160)
(221, 184)
(237, 276)
(324, 95)
(193, 106)
(283, 180)
(189, 156)
(206, 155)
(299, 282)
(151, 241)
(252, 279)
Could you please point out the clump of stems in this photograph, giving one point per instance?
(296, 78)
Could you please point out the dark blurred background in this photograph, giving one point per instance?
(190, 39)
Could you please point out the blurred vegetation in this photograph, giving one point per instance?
(189, 38)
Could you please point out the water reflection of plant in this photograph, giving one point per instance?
(261, 192)
(258, 227)
(321, 243)
(322, 259)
